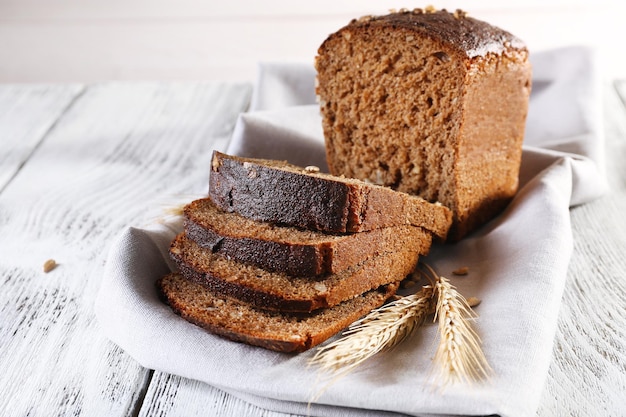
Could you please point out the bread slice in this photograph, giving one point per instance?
(241, 322)
(279, 291)
(278, 192)
(430, 103)
(294, 251)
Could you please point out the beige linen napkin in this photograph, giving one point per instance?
(518, 265)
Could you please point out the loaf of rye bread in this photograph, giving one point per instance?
(277, 331)
(281, 193)
(293, 251)
(429, 103)
(281, 292)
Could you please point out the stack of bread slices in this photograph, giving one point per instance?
(284, 257)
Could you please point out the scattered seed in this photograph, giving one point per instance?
(49, 265)
(459, 14)
(312, 169)
(464, 270)
(473, 301)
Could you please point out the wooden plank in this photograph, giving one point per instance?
(591, 335)
(114, 159)
(27, 113)
(170, 395)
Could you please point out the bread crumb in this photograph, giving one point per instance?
(464, 270)
(430, 9)
(311, 169)
(473, 301)
(49, 265)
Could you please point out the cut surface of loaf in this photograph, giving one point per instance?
(294, 251)
(271, 330)
(278, 192)
(428, 103)
(279, 291)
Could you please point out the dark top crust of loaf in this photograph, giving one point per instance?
(291, 250)
(278, 192)
(282, 332)
(279, 291)
(469, 36)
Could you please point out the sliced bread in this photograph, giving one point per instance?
(279, 291)
(278, 192)
(271, 330)
(294, 251)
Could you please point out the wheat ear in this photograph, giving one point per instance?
(459, 353)
(380, 330)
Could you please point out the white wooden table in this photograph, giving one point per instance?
(78, 163)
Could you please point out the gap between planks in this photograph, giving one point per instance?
(37, 145)
(141, 397)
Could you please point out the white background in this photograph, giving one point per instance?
(97, 40)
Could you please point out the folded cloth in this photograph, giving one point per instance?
(517, 262)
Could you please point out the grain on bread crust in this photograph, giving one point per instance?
(278, 192)
(241, 322)
(279, 291)
(294, 251)
(432, 104)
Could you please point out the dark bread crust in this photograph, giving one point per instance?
(279, 291)
(291, 250)
(278, 192)
(243, 323)
(470, 37)
(296, 260)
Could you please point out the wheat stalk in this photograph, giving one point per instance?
(380, 330)
(459, 353)
(174, 209)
